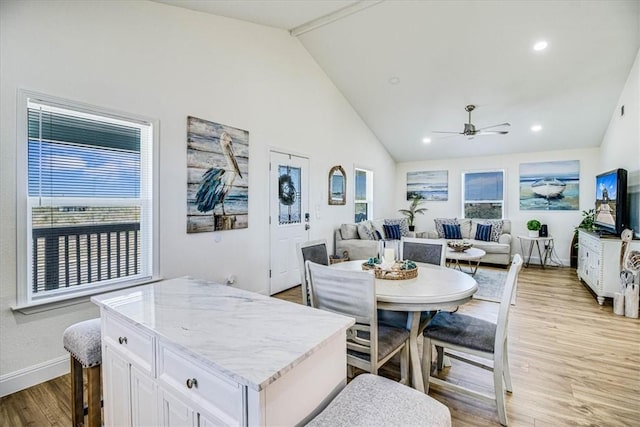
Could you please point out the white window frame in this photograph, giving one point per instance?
(504, 191)
(26, 302)
(369, 196)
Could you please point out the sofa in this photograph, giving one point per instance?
(366, 239)
(498, 247)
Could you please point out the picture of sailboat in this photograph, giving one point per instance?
(548, 187)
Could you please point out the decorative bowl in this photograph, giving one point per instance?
(459, 245)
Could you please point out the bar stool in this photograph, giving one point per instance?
(83, 341)
(371, 400)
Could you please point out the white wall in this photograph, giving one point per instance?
(167, 63)
(620, 146)
(561, 223)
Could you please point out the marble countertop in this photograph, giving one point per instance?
(252, 338)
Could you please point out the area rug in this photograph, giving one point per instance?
(490, 284)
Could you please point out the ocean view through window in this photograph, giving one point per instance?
(89, 200)
(483, 194)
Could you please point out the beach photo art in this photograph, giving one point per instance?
(429, 185)
(550, 185)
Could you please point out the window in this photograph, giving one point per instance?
(363, 195)
(482, 194)
(88, 200)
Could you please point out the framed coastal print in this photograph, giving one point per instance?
(550, 185)
(428, 185)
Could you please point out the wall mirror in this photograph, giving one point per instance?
(337, 186)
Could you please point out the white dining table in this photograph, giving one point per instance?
(435, 288)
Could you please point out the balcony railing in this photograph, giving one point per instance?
(72, 256)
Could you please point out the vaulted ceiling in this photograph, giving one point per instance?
(410, 67)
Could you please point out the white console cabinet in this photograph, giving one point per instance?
(599, 263)
(184, 352)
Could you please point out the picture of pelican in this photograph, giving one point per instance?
(217, 176)
(217, 182)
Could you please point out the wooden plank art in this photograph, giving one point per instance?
(217, 176)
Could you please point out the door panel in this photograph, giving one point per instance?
(289, 217)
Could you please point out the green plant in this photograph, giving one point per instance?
(587, 223)
(414, 209)
(534, 225)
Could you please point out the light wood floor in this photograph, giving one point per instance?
(573, 363)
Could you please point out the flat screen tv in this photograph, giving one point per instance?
(612, 215)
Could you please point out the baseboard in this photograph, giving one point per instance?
(32, 375)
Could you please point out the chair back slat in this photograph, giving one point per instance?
(426, 251)
(314, 251)
(351, 293)
(505, 302)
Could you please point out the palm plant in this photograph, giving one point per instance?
(414, 209)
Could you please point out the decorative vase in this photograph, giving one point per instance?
(412, 228)
(534, 233)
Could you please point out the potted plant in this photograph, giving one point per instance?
(414, 209)
(533, 225)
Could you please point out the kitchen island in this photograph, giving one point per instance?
(191, 352)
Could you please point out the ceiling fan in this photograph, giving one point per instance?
(471, 131)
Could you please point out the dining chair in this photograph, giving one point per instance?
(314, 251)
(353, 293)
(470, 335)
(425, 251)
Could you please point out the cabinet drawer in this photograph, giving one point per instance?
(210, 391)
(131, 341)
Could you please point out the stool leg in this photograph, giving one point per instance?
(77, 405)
(93, 398)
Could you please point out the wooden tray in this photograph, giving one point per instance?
(394, 273)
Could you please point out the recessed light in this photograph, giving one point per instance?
(541, 45)
(536, 128)
(426, 140)
(394, 80)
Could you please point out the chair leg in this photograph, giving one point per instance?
(498, 385)
(77, 404)
(349, 371)
(440, 360)
(506, 370)
(404, 365)
(93, 398)
(426, 363)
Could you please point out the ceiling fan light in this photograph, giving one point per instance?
(541, 45)
(536, 128)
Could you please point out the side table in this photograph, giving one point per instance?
(527, 250)
(471, 254)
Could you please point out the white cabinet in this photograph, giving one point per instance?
(184, 352)
(129, 388)
(599, 263)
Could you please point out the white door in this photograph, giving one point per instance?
(289, 217)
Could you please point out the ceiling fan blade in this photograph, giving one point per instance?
(444, 131)
(495, 126)
(492, 132)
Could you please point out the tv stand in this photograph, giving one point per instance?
(599, 262)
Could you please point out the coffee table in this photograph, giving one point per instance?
(470, 255)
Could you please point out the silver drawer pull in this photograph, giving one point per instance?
(192, 382)
(122, 340)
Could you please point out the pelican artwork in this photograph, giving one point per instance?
(216, 182)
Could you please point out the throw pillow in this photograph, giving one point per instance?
(402, 222)
(349, 231)
(496, 228)
(452, 231)
(364, 231)
(377, 235)
(483, 232)
(440, 222)
(392, 232)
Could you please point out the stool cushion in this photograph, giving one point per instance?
(371, 400)
(84, 342)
